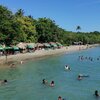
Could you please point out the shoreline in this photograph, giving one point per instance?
(41, 53)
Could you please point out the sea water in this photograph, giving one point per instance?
(25, 80)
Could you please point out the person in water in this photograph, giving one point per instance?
(44, 81)
(52, 83)
(79, 77)
(67, 67)
(60, 98)
(96, 93)
(3, 81)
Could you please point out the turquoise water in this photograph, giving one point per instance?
(25, 81)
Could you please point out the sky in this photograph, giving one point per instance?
(68, 14)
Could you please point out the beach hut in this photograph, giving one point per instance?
(22, 47)
(31, 47)
(53, 45)
(39, 46)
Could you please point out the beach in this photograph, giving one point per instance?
(25, 80)
(18, 58)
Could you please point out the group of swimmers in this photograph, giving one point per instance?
(95, 93)
(44, 81)
(81, 58)
(80, 77)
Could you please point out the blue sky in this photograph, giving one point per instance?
(67, 13)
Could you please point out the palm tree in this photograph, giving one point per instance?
(78, 28)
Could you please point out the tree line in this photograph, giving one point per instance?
(16, 27)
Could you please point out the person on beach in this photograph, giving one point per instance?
(96, 93)
(52, 84)
(3, 81)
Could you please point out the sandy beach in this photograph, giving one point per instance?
(41, 53)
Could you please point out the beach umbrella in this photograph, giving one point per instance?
(31, 45)
(53, 44)
(8, 48)
(40, 45)
(15, 48)
(47, 45)
(59, 44)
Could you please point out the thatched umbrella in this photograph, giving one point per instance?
(22, 45)
(47, 45)
(59, 44)
(40, 45)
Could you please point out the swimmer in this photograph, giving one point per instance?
(97, 58)
(60, 98)
(79, 77)
(67, 67)
(3, 81)
(52, 84)
(96, 93)
(44, 81)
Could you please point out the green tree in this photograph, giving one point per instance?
(19, 13)
(6, 20)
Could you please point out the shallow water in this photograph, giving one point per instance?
(25, 81)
